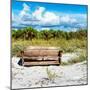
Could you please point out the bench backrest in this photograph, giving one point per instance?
(41, 52)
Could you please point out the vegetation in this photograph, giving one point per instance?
(51, 75)
(30, 33)
(67, 41)
(82, 57)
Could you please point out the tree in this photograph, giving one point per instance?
(30, 33)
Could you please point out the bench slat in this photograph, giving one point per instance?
(40, 58)
(41, 63)
(36, 53)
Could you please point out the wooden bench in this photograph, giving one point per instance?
(45, 56)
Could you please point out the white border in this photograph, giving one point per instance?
(5, 43)
(84, 2)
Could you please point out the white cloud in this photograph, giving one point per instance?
(38, 13)
(18, 20)
(50, 18)
(15, 19)
(41, 16)
(84, 16)
(45, 28)
(45, 17)
(68, 19)
(25, 10)
(26, 7)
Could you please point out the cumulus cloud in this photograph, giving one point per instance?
(50, 18)
(68, 19)
(25, 10)
(42, 17)
(18, 20)
(45, 17)
(38, 13)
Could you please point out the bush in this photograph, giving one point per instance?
(82, 57)
(51, 75)
(17, 49)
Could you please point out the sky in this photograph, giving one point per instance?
(68, 17)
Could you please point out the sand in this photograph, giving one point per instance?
(37, 76)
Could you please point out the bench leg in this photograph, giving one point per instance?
(59, 60)
(22, 61)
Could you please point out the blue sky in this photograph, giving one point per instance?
(48, 15)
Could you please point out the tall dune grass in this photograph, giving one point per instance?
(80, 58)
(71, 45)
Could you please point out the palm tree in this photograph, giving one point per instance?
(30, 33)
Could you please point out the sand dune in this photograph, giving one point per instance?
(37, 76)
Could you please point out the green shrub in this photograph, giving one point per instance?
(82, 57)
(51, 75)
(17, 49)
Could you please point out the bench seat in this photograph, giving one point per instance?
(41, 63)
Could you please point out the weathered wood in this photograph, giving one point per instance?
(44, 56)
(36, 53)
(40, 58)
(41, 63)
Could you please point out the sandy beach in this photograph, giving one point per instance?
(37, 76)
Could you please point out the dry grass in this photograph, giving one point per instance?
(51, 75)
(82, 57)
(65, 45)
